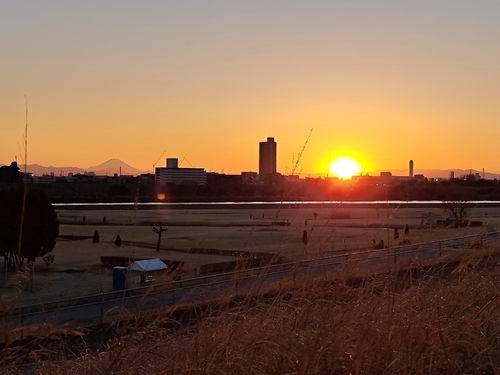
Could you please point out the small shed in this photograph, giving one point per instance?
(142, 271)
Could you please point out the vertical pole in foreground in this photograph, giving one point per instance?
(102, 308)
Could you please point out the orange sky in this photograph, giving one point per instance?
(207, 81)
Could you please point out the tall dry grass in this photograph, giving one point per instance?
(445, 321)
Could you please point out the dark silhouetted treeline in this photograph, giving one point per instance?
(129, 189)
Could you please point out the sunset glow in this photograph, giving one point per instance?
(345, 167)
(207, 82)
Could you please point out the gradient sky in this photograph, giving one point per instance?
(384, 81)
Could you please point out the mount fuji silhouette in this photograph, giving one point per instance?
(109, 168)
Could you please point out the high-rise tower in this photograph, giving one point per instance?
(411, 168)
(267, 158)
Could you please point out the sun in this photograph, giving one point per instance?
(345, 167)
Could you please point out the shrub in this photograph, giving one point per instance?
(48, 259)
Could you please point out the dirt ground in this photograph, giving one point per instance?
(77, 269)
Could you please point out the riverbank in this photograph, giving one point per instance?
(330, 230)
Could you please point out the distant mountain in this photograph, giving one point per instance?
(113, 166)
(109, 168)
(39, 170)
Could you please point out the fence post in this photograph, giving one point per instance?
(102, 308)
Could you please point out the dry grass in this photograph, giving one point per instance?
(444, 322)
(351, 322)
(334, 230)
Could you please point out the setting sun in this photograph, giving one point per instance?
(344, 167)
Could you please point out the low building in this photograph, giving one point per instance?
(172, 174)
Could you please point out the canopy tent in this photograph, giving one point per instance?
(148, 265)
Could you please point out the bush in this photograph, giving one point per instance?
(48, 259)
(118, 241)
(40, 224)
(95, 238)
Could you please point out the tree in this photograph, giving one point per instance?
(458, 209)
(304, 237)
(39, 230)
(158, 230)
(95, 237)
(118, 241)
(10, 175)
(119, 191)
(48, 259)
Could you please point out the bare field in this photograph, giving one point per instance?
(77, 270)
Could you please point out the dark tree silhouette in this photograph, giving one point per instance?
(158, 230)
(396, 234)
(119, 190)
(10, 174)
(304, 237)
(95, 237)
(40, 227)
(118, 241)
(458, 209)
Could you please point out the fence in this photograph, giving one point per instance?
(111, 305)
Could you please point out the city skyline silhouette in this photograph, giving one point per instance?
(382, 83)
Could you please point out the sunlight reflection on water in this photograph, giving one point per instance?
(256, 203)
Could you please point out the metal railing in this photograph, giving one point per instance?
(149, 297)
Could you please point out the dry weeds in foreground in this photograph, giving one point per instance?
(446, 323)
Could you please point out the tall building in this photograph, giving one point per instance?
(411, 168)
(267, 158)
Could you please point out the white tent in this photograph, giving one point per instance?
(148, 265)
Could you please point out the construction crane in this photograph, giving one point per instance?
(154, 164)
(187, 161)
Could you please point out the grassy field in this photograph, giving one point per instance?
(77, 269)
(439, 319)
